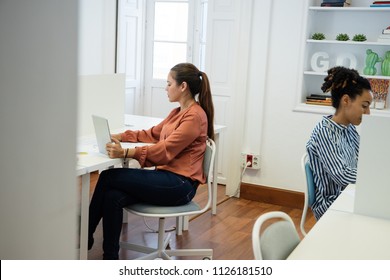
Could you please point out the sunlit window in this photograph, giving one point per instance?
(202, 42)
(170, 36)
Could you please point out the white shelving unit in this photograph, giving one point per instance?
(360, 18)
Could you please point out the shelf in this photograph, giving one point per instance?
(350, 9)
(313, 73)
(316, 109)
(370, 43)
(331, 21)
(329, 110)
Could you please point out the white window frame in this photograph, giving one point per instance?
(194, 42)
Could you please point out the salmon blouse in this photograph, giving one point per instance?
(179, 143)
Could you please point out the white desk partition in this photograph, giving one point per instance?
(373, 176)
(102, 95)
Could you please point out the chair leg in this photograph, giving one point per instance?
(186, 222)
(205, 253)
(179, 225)
(162, 244)
(137, 248)
(152, 253)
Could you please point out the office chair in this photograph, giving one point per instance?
(162, 212)
(278, 239)
(309, 190)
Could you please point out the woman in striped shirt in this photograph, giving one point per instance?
(333, 147)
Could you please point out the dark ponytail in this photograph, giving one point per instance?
(198, 84)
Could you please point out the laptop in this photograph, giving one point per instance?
(372, 196)
(102, 131)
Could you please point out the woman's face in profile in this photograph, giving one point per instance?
(173, 89)
(358, 107)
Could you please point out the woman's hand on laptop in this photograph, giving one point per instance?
(114, 149)
(117, 137)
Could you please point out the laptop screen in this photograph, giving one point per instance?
(102, 131)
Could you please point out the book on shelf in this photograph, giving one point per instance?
(335, 3)
(348, 2)
(318, 102)
(320, 96)
(384, 36)
(319, 99)
(381, 2)
(386, 30)
(380, 5)
(338, 4)
(380, 40)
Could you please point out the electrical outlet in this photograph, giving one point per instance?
(252, 160)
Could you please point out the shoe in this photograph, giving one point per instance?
(90, 243)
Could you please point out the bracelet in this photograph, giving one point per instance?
(127, 151)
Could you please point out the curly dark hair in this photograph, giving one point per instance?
(341, 80)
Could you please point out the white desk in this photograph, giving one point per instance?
(342, 234)
(345, 202)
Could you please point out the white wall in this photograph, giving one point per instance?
(38, 114)
(97, 37)
(284, 133)
(101, 92)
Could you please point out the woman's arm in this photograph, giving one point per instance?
(190, 128)
(151, 135)
(117, 137)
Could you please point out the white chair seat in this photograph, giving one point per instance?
(153, 210)
(278, 240)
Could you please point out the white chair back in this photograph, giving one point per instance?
(309, 190)
(278, 240)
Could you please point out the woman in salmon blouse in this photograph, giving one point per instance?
(177, 154)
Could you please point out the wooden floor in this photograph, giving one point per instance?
(228, 233)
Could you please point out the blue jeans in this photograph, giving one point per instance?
(119, 187)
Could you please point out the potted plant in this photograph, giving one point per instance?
(371, 59)
(359, 38)
(386, 64)
(318, 36)
(342, 37)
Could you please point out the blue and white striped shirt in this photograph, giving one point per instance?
(333, 151)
